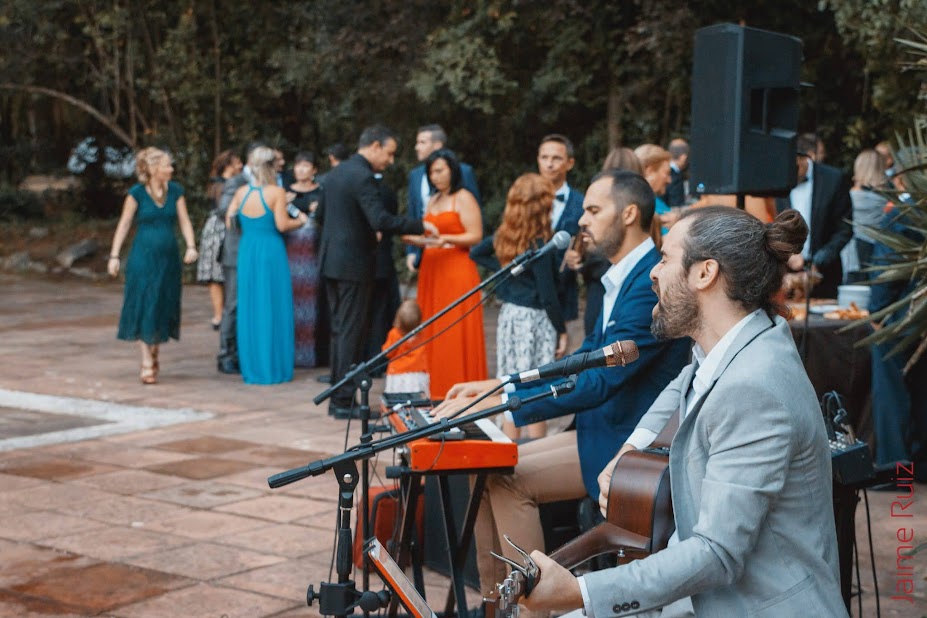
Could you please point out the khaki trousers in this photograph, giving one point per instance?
(547, 471)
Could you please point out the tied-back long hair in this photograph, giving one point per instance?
(751, 255)
(261, 164)
(223, 160)
(526, 219)
(146, 160)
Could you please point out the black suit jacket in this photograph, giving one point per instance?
(676, 189)
(569, 222)
(831, 213)
(351, 213)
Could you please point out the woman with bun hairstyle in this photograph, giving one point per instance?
(151, 301)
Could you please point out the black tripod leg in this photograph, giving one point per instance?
(450, 531)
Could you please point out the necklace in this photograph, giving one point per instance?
(158, 197)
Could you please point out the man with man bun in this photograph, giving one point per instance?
(750, 462)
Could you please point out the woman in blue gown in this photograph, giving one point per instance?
(151, 302)
(265, 294)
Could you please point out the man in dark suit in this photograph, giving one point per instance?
(227, 360)
(676, 189)
(619, 207)
(351, 213)
(822, 197)
(555, 160)
(386, 295)
(429, 139)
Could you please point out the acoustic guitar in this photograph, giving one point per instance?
(639, 522)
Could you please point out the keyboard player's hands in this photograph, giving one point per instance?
(449, 407)
(472, 389)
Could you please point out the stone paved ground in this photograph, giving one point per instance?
(123, 500)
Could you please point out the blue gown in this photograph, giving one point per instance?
(265, 300)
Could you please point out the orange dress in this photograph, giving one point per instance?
(458, 355)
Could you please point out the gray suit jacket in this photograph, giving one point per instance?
(751, 480)
(232, 233)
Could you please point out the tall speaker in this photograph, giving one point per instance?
(744, 110)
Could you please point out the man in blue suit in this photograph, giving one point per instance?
(430, 138)
(555, 160)
(608, 402)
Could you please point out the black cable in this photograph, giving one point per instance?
(859, 585)
(875, 579)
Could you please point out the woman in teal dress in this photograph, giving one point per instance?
(151, 302)
(266, 331)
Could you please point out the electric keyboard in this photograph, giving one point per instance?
(472, 446)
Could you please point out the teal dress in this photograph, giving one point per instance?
(151, 302)
(266, 331)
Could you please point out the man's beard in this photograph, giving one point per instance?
(680, 316)
(610, 244)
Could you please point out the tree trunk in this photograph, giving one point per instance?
(83, 105)
(613, 114)
(217, 98)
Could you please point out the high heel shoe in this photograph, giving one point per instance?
(154, 360)
(216, 324)
(149, 375)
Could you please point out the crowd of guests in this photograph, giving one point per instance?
(697, 285)
(300, 269)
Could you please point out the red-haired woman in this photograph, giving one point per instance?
(531, 330)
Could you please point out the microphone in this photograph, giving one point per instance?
(559, 242)
(618, 353)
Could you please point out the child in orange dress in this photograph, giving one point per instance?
(408, 370)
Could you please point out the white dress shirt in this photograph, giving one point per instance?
(614, 278)
(800, 198)
(556, 210)
(426, 193)
(708, 365)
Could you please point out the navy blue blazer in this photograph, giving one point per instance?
(416, 209)
(609, 402)
(569, 222)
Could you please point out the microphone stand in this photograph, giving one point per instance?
(359, 374)
(339, 599)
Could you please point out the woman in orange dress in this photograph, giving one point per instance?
(459, 354)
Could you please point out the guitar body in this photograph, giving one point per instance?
(639, 499)
(639, 517)
(638, 522)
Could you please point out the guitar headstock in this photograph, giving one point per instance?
(503, 601)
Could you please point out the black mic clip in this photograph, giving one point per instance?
(565, 387)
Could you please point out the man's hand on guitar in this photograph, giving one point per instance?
(605, 478)
(557, 589)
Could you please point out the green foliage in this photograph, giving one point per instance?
(909, 264)
(199, 77)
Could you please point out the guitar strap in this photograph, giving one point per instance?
(666, 435)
